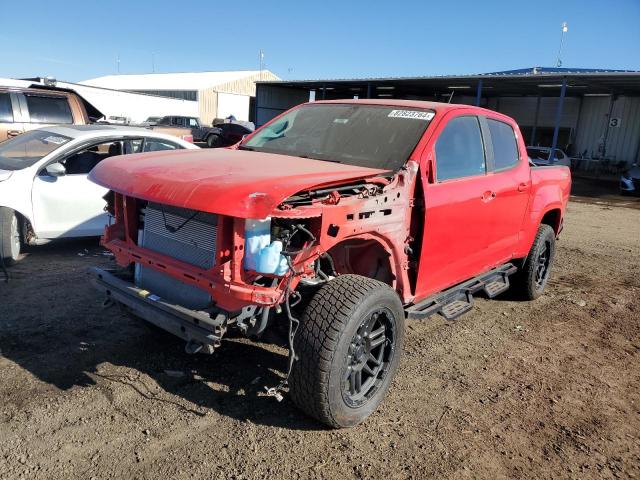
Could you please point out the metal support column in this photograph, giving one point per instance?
(606, 131)
(324, 91)
(554, 143)
(368, 90)
(479, 93)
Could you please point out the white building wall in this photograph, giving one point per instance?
(233, 104)
(136, 106)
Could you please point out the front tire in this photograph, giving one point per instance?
(348, 347)
(9, 236)
(532, 278)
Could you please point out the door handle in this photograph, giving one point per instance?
(488, 196)
(523, 186)
(13, 133)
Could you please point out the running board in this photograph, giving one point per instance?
(458, 300)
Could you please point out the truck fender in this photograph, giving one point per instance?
(546, 199)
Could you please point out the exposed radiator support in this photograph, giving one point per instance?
(185, 235)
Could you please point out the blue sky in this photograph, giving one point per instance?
(77, 40)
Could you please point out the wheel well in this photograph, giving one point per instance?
(363, 257)
(24, 225)
(552, 218)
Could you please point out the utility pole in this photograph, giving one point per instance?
(118, 63)
(565, 28)
(153, 63)
(261, 63)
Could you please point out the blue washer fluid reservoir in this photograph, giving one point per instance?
(269, 258)
(257, 235)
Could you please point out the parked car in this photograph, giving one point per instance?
(630, 181)
(23, 109)
(186, 127)
(44, 190)
(230, 134)
(115, 120)
(540, 156)
(220, 135)
(150, 121)
(346, 216)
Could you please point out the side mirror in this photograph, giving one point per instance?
(55, 169)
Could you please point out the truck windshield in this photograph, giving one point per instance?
(26, 149)
(362, 135)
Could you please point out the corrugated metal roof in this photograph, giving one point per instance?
(169, 81)
(522, 72)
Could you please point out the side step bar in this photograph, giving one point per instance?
(458, 300)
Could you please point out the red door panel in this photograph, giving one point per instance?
(508, 209)
(510, 182)
(456, 234)
(457, 203)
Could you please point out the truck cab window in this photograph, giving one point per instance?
(505, 149)
(49, 109)
(459, 150)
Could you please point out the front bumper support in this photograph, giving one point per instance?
(202, 330)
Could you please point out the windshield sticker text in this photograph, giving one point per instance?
(415, 114)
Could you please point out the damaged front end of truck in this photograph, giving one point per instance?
(197, 273)
(312, 221)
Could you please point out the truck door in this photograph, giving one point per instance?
(457, 207)
(509, 180)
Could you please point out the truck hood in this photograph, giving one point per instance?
(237, 183)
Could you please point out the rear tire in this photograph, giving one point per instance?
(532, 278)
(9, 236)
(348, 346)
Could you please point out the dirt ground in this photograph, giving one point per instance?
(545, 389)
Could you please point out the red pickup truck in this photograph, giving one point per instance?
(340, 219)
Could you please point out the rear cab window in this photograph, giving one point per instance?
(460, 149)
(505, 147)
(49, 109)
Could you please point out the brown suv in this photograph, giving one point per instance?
(23, 109)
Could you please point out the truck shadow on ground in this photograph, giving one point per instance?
(52, 325)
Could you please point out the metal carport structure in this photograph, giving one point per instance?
(579, 105)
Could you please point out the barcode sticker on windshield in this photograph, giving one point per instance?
(415, 114)
(56, 140)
